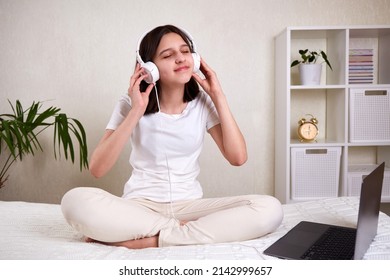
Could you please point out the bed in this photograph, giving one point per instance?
(38, 231)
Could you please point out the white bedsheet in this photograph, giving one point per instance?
(39, 231)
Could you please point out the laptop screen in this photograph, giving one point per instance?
(370, 198)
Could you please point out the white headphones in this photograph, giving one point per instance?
(151, 68)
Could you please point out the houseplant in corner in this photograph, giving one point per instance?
(19, 133)
(309, 69)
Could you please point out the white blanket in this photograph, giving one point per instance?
(39, 231)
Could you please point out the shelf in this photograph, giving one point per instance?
(368, 86)
(368, 144)
(332, 41)
(378, 40)
(326, 104)
(319, 143)
(373, 32)
(296, 87)
(332, 103)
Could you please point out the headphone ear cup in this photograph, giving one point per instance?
(152, 71)
(196, 58)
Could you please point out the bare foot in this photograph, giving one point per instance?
(147, 242)
(89, 240)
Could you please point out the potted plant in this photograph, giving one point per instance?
(19, 133)
(309, 69)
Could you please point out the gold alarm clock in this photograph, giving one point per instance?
(307, 129)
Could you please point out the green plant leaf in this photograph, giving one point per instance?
(325, 57)
(80, 134)
(19, 112)
(303, 52)
(311, 57)
(19, 134)
(294, 63)
(6, 136)
(20, 144)
(64, 137)
(32, 112)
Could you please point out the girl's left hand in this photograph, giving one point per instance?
(211, 83)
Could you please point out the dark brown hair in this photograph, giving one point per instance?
(147, 50)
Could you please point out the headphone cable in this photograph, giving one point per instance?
(166, 158)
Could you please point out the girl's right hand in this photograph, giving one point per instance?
(139, 100)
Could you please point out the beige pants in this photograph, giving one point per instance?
(108, 218)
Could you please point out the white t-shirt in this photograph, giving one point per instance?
(166, 149)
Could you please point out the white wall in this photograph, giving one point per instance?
(79, 55)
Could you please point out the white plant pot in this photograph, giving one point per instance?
(310, 74)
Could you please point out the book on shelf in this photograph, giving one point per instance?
(361, 66)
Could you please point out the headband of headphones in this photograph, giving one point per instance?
(151, 68)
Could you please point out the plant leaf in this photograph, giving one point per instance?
(7, 137)
(64, 137)
(82, 139)
(19, 111)
(18, 133)
(325, 57)
(32, 112)
(294, 63)
(302, 52)
(20, 144)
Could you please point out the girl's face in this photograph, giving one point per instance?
(174, 60)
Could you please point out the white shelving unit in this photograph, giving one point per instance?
(330, 103)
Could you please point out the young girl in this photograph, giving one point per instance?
(166, 121)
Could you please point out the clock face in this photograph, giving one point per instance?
(308, 131)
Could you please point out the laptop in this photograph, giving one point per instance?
(309, 240)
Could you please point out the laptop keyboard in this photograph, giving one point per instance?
(335, 244)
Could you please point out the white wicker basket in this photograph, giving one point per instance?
(356, 173)
(369, 115)
(315, 172)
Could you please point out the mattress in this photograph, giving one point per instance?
(38, 231)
